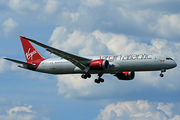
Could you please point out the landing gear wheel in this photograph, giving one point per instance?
(97, 81)
(88, 75)
(83, 76)
(101, 80)
(163, 70)
(161, 75)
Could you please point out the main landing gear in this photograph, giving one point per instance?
(162, 75)
(99, 79)
(85, 76)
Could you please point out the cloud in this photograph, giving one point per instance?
(19, 109)
(22, 113)
(140, 19)
(121, 44)
(135, 110)
(4, 66)
(11, 67)
(13, 110)
(73, 86)
(117, 44)
(22, 6)
(166, 25)
(74, 16)
(83, 43)
(9, 26)
(77, 42)
(93, 3)
(166, 108)
(51, 6)
(59, 35)
(133, 20)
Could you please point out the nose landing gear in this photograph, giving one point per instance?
(162, 75)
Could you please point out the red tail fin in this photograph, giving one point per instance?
(30, 52)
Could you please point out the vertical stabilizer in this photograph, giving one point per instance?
(30, 52)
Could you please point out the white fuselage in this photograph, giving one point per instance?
(118, 63)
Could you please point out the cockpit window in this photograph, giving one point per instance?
(168, 58)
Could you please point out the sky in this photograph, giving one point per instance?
(89, 28)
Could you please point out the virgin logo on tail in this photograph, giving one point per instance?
(30, 55)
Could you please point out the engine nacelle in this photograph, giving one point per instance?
(125, 75)
(100, 64)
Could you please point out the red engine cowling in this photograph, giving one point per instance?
(100, 64)
(125, 75)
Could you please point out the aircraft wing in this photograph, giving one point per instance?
(17, 61)
(81, 62)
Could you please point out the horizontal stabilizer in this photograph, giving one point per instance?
(17, 61)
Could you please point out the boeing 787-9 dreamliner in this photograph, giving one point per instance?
(122, 66)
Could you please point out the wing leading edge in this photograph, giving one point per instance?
(81, 62)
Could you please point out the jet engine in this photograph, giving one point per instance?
(100, 64)
(125, 75)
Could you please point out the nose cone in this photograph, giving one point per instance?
(170, 64)
(174, 64)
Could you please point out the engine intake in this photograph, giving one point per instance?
(125, 75)
(100, 64)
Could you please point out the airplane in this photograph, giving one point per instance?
(122, 66)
